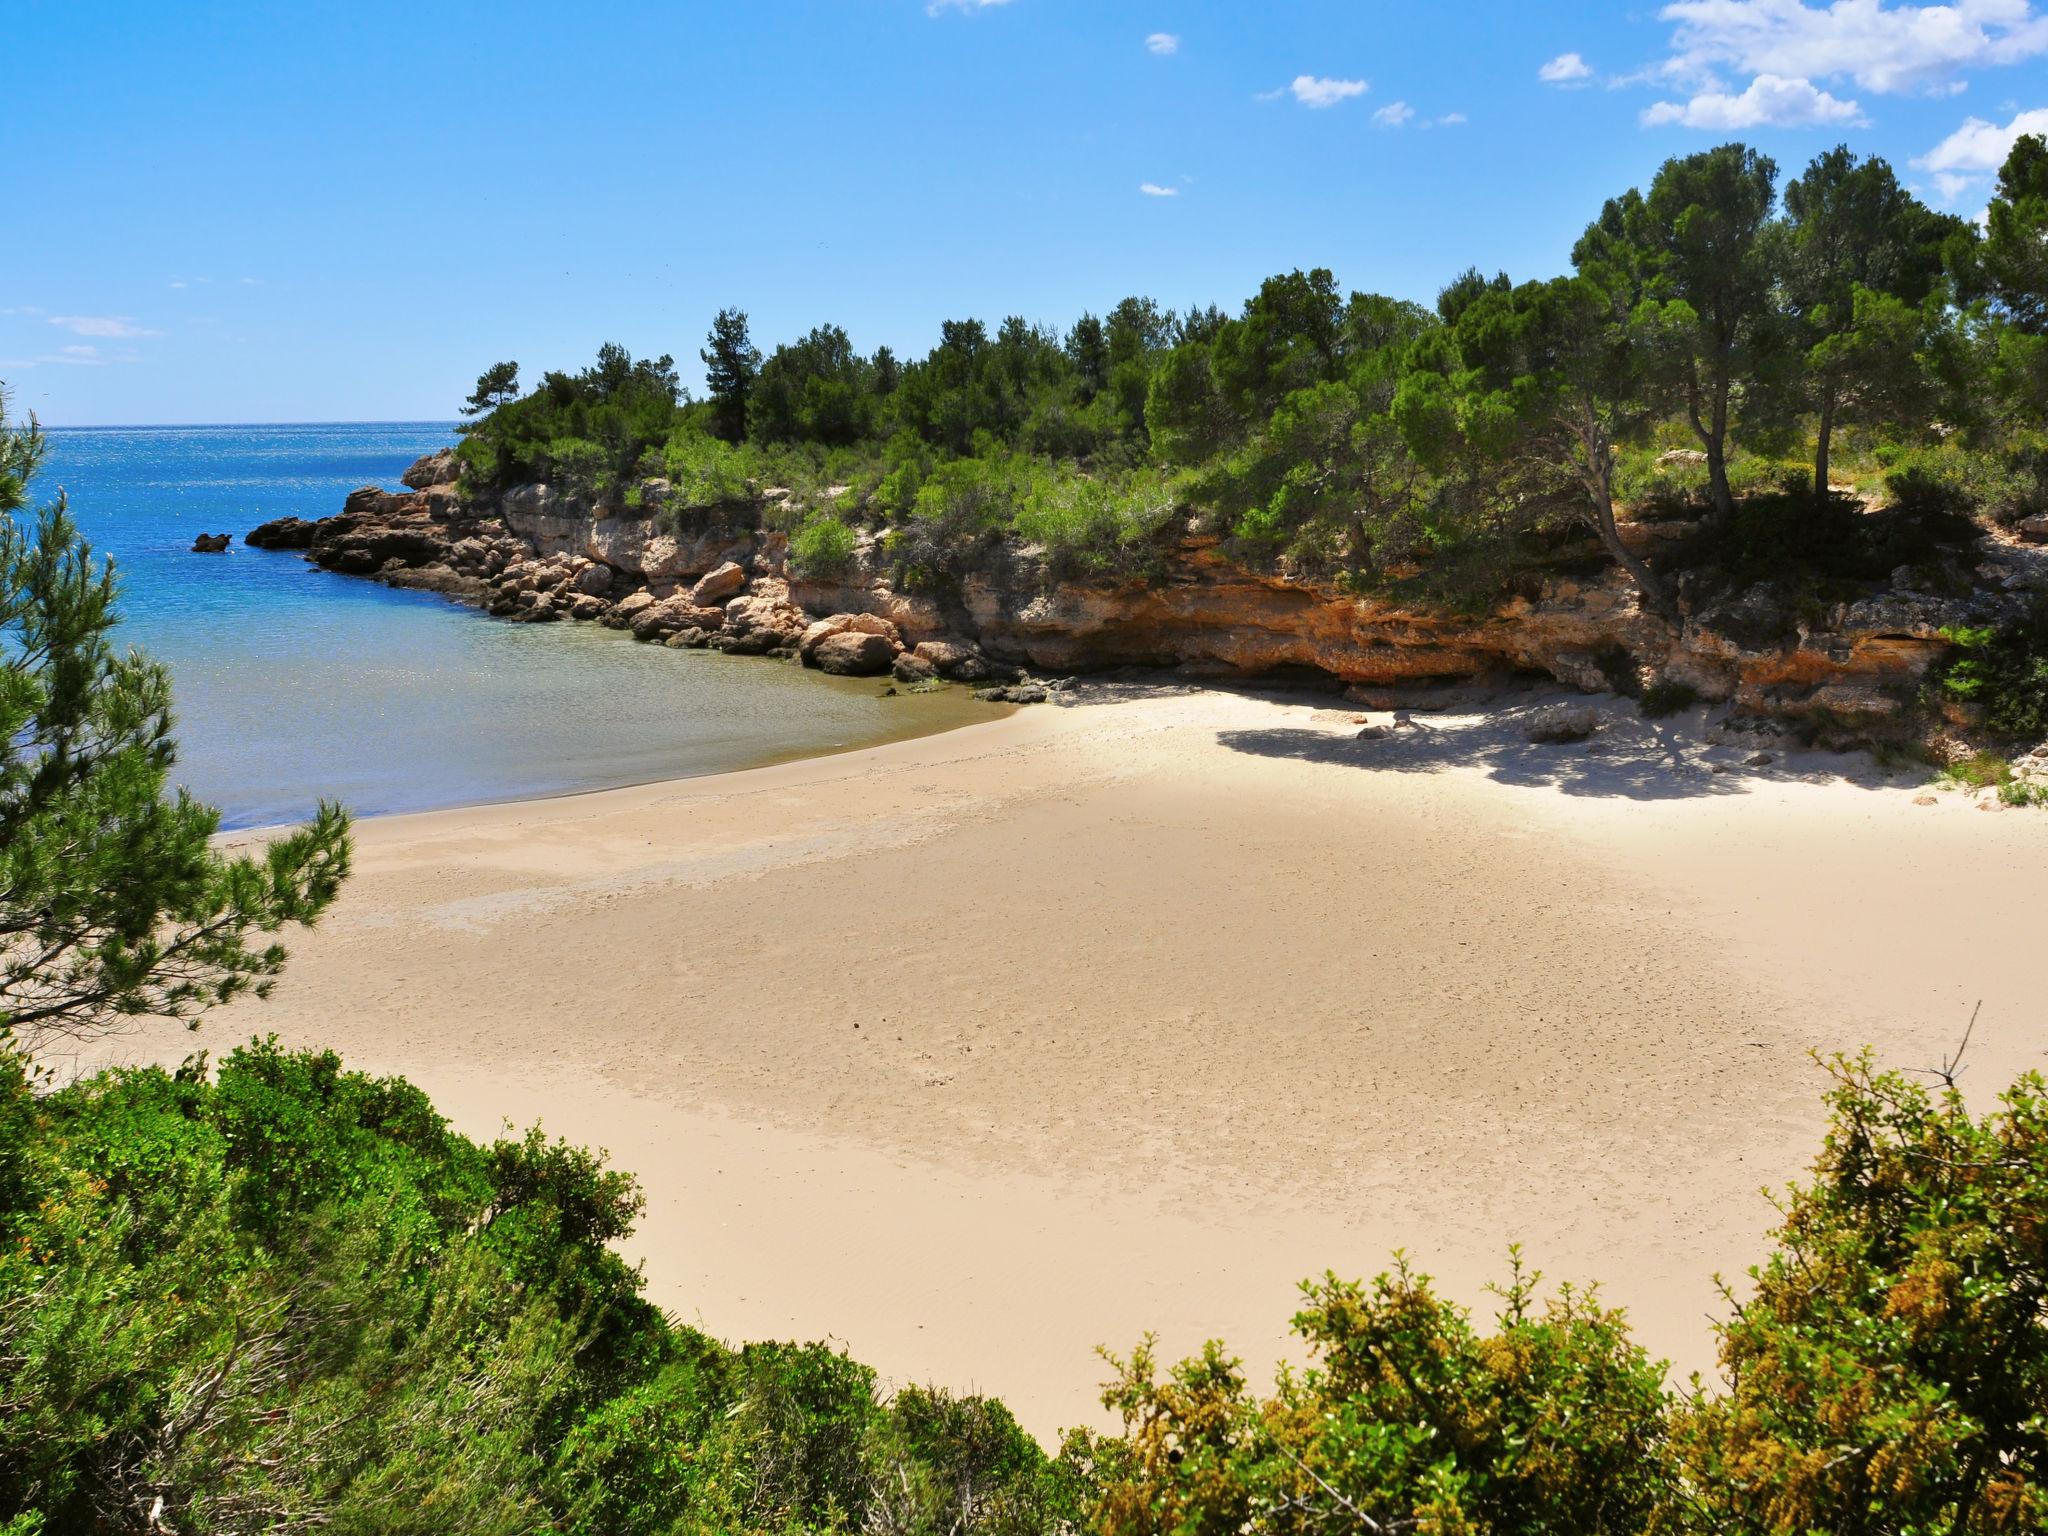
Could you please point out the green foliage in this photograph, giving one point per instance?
(731, 364)
(1888, 1371)
(114, 902)
(1884, 1373)
(286, 1296)
(1097, 526)
(1410, 1418)
(587, 431)
(822, 546)
(705, 471)
(1667, 696)
(2003, 672)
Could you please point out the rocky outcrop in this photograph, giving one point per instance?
(435, 469)
(539, 554)
(212, 543)
(281, 533)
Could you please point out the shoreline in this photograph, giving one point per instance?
(977, 1050)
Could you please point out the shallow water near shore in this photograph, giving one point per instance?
(293, 684)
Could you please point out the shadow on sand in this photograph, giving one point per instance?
(1631, 757)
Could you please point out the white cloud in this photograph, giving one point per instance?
(1451, 119)
(1975, 151)
(1317, 91)
(940, 7)
(1565, 69)
(1153, 189)
(1394, 114)
(1980, 146)
(1162, 43)
(114, 326)
(1770, 102)
(1884, 48)
(27, 311)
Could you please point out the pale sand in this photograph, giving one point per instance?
(977, 1051)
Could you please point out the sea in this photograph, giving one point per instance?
(292, 685)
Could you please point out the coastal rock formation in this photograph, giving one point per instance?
(435, 469)
(212, 543)
(281, 533)
(708, 578)
(718, 584)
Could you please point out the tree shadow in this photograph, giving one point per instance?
(1630, 757)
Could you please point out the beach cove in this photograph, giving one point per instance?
(978, 1051)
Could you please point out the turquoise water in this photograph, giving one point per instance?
(292, 683)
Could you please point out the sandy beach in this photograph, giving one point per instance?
(981, 1050)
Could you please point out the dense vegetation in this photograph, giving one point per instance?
(282, 1296)
(1778, 337)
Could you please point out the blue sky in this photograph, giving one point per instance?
(328, 212)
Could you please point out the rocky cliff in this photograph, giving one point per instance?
(1853, 667)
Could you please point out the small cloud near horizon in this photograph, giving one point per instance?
(1164, 44)
(940, 7)
(1154, 189)
(1321, 91)
(1566, 69)
(1395, 114)
(1452, 119)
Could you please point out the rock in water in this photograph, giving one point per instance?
(212, 543)
(912, 668)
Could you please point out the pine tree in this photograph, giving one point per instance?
(114, 903)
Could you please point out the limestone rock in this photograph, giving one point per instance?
(910, 667)
(670, 615)
(853, 653)
(1561, 723)
(441, 468)
(1851, 699)
(758, 624)
(2035, 529)
(212, 543)
(594, 580)
(716, 585)
(954, 659)
(281, 533)
(844, 624)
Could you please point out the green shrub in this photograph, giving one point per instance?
(1980, 770)
(2003, 672)
(1667, 696)
(1092, 526)
(704, 471)
(823, 546)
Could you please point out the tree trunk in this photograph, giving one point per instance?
(1716, 439)
(1602, 519)
(1820, 451)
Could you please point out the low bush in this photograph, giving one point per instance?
(1095, 526)
(1667, 696)
(2004, 673)
(822, 546)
